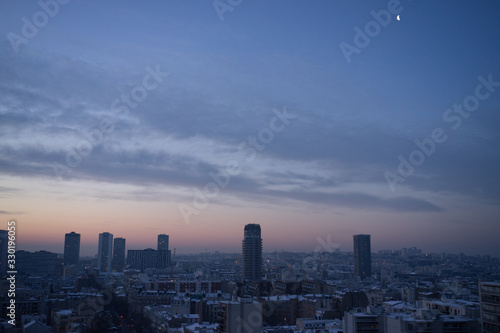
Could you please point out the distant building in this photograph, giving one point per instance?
(489, 296)
(63, 320)
(148, 258)
(162, 242)
(286, 309)
(360, 321)
(245, 315)
(40, 263)
(4, 241)
(312, 325)
(35, 326)
(252, 253)
(362, 256)
(118, 263)
(400, 318)
(163, 259)
(71, 248)
(104, 252)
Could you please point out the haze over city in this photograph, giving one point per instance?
(193, 121)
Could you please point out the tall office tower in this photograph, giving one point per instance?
(4, 241)
(162, 242)
(252, 253)
(104, 252)
(489, 296)
(118, 263)
(71, 248)
(362, 256)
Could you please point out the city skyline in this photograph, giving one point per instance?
(325, 244)
(326, 119)
(234, 166)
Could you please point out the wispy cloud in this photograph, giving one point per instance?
(145, 146)
(4, 212)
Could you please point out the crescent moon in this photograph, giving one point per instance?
(397, 18)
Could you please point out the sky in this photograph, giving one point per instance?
(317, 120)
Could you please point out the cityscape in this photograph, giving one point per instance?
(327, 290)
(249, 166)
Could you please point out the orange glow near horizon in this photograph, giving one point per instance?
(297, 227)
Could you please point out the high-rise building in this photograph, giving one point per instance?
(104, 252)
(118, 263)
(162, 242)
(489, 296)
(362, 256)
(252, 253)
(4, 241)
(71, 248)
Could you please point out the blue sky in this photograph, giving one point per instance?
(322, 174)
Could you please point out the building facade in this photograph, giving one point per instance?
(362, 256)
(118, 263)
(104, 252)
(148, 258)
(4, 241)
(39, 263)
(489, 296)
(252, 253)
(242, 316)
(162, 242)
(71, 248)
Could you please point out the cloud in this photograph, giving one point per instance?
(4, 212)
(180, 133)
(361, 201)
(8, 189)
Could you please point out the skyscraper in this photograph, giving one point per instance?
(71, 248)
(162, 242)
(118, 263)
(252, 253)
(362, 256)
(163, 252)
(4, 241)
(104, 252)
